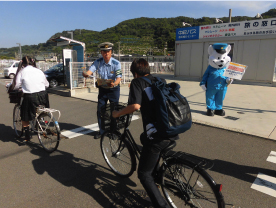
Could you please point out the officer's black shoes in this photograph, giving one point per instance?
(97, 136)
(220, 112)
(210, 112)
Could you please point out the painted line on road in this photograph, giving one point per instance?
(265, 184)
(86, 129)
(272, 157)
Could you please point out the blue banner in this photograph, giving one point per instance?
(187, 33)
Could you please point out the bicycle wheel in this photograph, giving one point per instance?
(185, 186)
(17, 123)
(48, 132)
(118, 154)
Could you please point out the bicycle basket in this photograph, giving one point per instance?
(107, 121)
(15, 96)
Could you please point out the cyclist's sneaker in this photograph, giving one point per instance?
(97, 136)
(28, 136)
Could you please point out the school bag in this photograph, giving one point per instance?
(172, 110)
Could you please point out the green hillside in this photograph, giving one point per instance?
(136, 36)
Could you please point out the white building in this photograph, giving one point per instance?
(253, 44)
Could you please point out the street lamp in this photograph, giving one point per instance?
(185, 23)
(218, 20)
(71, 32)
(20, 50)
(259, 16)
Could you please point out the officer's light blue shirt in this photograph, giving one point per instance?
(111, 70)
(214, 78)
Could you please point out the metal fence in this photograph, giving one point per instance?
(76, 79)
(45, 65)
(41, 65)
(5, 63)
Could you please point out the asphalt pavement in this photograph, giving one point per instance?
(250, 108)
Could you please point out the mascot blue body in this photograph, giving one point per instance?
(213, 81)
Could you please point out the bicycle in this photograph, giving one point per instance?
(44, 124)
(182, 177)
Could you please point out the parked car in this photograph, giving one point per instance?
(11, 69)
(55, 75)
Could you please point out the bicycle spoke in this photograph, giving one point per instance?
(17, 123)
(117, 154)
(48, 133)
(183, 186)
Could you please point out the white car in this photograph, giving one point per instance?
(11, 69)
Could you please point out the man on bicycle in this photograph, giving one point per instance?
(153, 144)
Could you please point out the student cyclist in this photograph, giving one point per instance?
(34, 84)
(153, 144)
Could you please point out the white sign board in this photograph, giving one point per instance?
(244, 28)
(67, 54)
(235, 71)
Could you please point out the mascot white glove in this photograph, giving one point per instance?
(229, 81)
(203, 87)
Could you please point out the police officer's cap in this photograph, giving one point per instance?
(106, 46)
(220, 47)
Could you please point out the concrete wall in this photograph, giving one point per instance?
(258, 53)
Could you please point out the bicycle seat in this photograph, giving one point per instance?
(170, 146)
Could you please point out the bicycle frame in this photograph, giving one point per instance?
(42, 109)
(127, 136)
(132, 142)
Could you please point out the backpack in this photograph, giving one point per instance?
(172, 110)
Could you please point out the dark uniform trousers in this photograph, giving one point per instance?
(148, 161)
(111, 94)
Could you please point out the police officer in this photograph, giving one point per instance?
(107, 68)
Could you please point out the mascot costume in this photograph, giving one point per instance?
(213, 81)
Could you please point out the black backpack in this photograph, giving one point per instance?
(172, 110)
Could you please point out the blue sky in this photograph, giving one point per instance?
(33, 22)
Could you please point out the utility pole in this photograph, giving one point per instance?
(165, 47)
(20, 53)
(71, 32)
(119, 50)
(230, 15)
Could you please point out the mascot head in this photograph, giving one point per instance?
(218, 55)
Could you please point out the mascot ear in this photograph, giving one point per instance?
(228, 49)
(210, 50)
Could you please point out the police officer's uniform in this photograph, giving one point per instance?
(110, 70)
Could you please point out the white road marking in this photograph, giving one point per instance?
(272, 157)
(80, 131)
(86, 129)
(265, 184)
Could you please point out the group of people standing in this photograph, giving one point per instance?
(34, 84)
